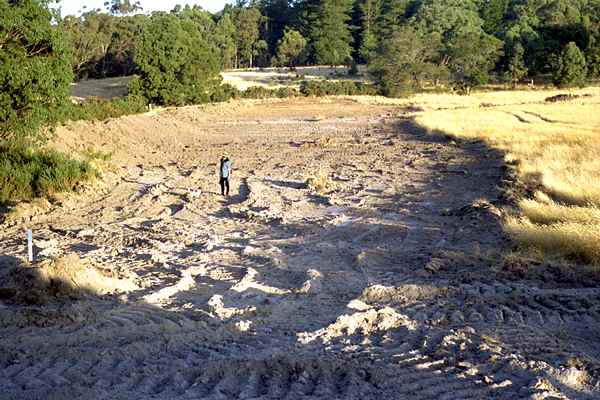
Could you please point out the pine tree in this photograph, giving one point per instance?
(225, 40)
(571, 69)
(290, 49)
(392, 15)
(516, 69)
(370, 13)
(330, 36)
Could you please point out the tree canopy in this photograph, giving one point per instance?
(35, 69)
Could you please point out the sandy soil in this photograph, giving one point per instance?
(283, 77)
(395, 286)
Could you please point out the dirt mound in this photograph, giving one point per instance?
(65, 277)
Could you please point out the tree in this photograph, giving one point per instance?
(279, 16)
(176, 63)
(393, 14)
(370, 12)
(406, 60)
(593, 58)
(90, 41)
(516, 69)
(450, 18)
(331, 39)
(492, 13)
(247, 22)
(122, 7)
(35, 70)
(225, 40)
(472, 56)
(571, 69)
(291, 48)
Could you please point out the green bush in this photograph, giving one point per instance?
(26, 173)
(260, 92)
(336, 88)
(176, 63)
(35, 70)
(93, 109)
(225, 92)
(572, 67)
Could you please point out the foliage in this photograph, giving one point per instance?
(103, 44)
(176, 64)
(291, 49)
(473, 56)
(96, 109)
(26, 173)
(336, 88)
(571, 69)
(593, 59)
(225, 92)
(248, 33)
(123, 7)
(35, 71)
(330, 34)
(247, 22)
(370, 13)
(404, 62)
(259, 92)
(225, 40)
(516, 69)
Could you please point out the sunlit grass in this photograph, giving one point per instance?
(556, 147)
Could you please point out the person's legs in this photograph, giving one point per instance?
(227, 186)
(222, 183)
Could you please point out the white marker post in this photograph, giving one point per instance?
(30, 245)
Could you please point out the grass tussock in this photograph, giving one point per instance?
(555, 147)
(27, 173)
(321, 183)
(572, 240)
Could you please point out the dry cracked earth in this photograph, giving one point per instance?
(394, 286)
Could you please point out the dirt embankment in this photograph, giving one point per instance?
(395, 285)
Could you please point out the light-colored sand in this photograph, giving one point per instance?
(391, 287)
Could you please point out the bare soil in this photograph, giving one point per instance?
(395, 286)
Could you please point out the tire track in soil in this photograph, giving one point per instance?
(280, 293)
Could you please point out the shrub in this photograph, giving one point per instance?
(336, 88)
(571, 69)
(95, 108)
(260, 92)
(35, 70)
(176, 63)
(225, 92)
(26, 173)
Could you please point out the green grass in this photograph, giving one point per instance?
(96, 109)
(26, 173)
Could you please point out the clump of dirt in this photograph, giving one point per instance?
(65, 277)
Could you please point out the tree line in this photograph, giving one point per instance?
(405, 42)
(177, 55)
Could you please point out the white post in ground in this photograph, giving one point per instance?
(30, 245)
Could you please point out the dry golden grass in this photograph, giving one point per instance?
(555, 146)
(321, 183)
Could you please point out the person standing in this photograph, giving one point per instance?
(224, 175)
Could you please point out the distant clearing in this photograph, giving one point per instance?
(272, 78)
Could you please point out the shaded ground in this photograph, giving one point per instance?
(394, 286)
